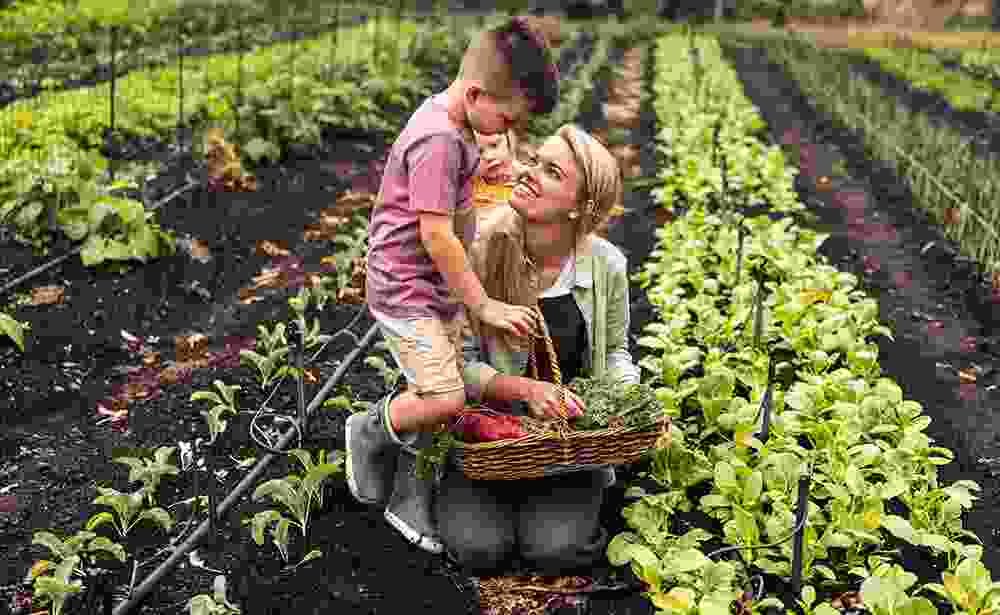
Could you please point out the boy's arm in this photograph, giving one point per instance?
(438, 236)
(433, 168)
(445, 249)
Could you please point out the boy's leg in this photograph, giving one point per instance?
(433, 358)
(372, 438)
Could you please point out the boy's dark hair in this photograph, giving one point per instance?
(527, 58)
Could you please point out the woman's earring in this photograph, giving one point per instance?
(573, 215)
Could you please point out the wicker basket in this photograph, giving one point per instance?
(559, 449)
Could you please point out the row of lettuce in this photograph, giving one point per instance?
(871, 468)
(47, 42)
(942, 166)
(52, 168)
(924, 69)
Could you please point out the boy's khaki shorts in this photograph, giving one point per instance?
(428, 351)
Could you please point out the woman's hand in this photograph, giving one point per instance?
(544, 400)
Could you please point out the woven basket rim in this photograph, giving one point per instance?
(581, 434)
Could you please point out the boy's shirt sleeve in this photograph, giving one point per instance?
(432, 166)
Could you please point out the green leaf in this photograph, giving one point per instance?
(753, 488)
(104, 545)
(159, 516)
(714, 604)
(13, 329)
(899, 527)
(809, 595)
(51, 542)
(260, 522)
(202, 605)
(687, 560)
(99, 519)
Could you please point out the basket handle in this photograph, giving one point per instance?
(550, 350)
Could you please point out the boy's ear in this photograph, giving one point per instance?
(473, 91)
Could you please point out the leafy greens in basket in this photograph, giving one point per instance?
(608, 403)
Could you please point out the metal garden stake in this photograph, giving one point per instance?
(766, 401)
(111, 101)
(801, 509)
(758, 307)
(742, 234)
(300, 353)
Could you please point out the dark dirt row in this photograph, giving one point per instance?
(921, 285)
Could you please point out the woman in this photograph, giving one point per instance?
(542, 250)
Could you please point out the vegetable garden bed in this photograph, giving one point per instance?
(724, 480)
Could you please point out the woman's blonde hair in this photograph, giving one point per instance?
(504, 268)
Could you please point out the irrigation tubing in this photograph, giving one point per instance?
(79, 248)
(181, 551)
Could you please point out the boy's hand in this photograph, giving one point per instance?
(517, 319)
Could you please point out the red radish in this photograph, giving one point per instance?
(969, 343)
(8, 503)
(967, 391)
(902, 279)
(935, 327)
(482, 427)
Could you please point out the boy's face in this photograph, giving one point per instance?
(491, 114)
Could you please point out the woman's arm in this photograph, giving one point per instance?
(619, 361)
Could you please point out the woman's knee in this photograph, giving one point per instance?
(558, 551)
(481, 552)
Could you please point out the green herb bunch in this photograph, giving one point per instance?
(609, 403)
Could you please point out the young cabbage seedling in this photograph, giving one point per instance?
(885, 592)
(223, 403)
(270, 362)
(84, 545)
(128, 512)
(970, 589)
(58, 587)
(150, 471)
(296, 494)
(215, 603)
(390, 375)
(14, 329)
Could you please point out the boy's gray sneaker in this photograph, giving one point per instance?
(371, 453)
(410, 508)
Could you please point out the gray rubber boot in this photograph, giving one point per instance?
(371, 453)
(410, 509)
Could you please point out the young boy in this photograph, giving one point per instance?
(419, 282)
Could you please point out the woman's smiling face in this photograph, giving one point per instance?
(548, 186)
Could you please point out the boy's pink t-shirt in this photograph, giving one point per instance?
(430, 169)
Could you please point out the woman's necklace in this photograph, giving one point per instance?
(541, 278)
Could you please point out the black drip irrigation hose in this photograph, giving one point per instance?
(79, 247)
(244, 485)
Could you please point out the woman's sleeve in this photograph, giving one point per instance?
(476, 372)
(619, 363)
